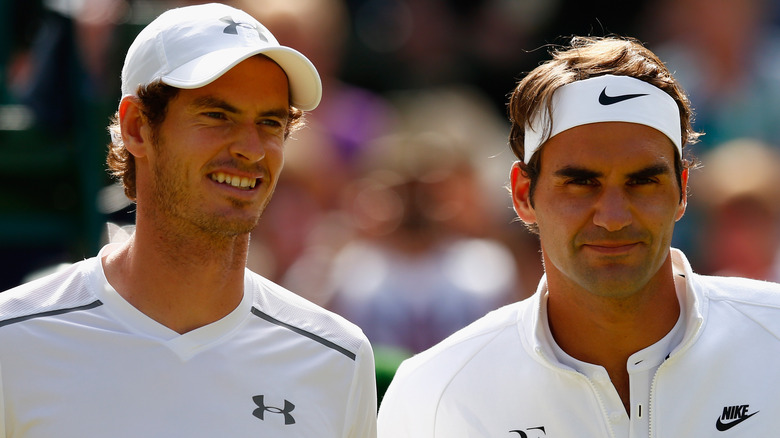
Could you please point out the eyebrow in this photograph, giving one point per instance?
(576, 173)
(650, 171)
(215, 102)
(584, 173)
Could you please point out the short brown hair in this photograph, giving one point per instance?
(154, 99)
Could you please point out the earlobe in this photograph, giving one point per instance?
(134, 126)
(684, 195)
(521, 194)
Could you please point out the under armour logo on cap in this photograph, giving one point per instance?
(232, 28)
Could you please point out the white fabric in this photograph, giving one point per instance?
(192, 46)
(641, 367)
(501, 374)
(77, 360)
(605, 98)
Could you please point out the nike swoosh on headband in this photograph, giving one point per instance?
(611, 100)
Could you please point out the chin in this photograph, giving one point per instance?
(229, 227)
(615, 282)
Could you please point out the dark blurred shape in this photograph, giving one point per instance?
(738, 194)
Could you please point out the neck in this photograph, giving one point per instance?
(606, 331)
(183, 280)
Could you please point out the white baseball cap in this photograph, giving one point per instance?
(192, 46)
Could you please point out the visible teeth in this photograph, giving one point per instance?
(235, 181)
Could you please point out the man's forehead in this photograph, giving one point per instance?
(609, 145)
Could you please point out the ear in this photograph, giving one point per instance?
(135, 128)
(684, 199)
(521, 194)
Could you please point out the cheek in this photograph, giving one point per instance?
(659, 219)
(664, 207)
(274, 154)
(559, 226)
(560, 213)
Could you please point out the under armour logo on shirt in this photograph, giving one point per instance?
(262, 409)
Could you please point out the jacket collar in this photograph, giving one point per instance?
(532, 317)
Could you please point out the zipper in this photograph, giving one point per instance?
(652, 397)
(658, 371)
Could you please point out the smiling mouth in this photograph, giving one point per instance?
(239, 182)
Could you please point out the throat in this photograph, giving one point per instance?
(179, 295)
(185, 247)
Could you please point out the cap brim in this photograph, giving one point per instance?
(305, 84)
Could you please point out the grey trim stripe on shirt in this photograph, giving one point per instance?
(309, 335)
(91, 305)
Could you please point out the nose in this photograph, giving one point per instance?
(249, 146)
(613, 210)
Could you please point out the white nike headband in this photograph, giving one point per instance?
(605, 98)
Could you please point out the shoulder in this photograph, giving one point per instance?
(69, 288)
(280, 306)
(440, 364)
(733, 291)
(410, 405)
(742, 290)
(755, 300)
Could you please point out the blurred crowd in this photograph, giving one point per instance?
(392, 208)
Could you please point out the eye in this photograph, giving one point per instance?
(270, 122)
(642, 181)
(215, 115)
(582, 182)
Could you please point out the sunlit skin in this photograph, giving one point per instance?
(220, 128)
(606, 202)
(184, 266)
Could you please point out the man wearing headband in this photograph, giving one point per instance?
(621, 338)
(167, 334)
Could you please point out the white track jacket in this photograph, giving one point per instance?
(500, 378)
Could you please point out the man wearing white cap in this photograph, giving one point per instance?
(621, 338)
(167, 334)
